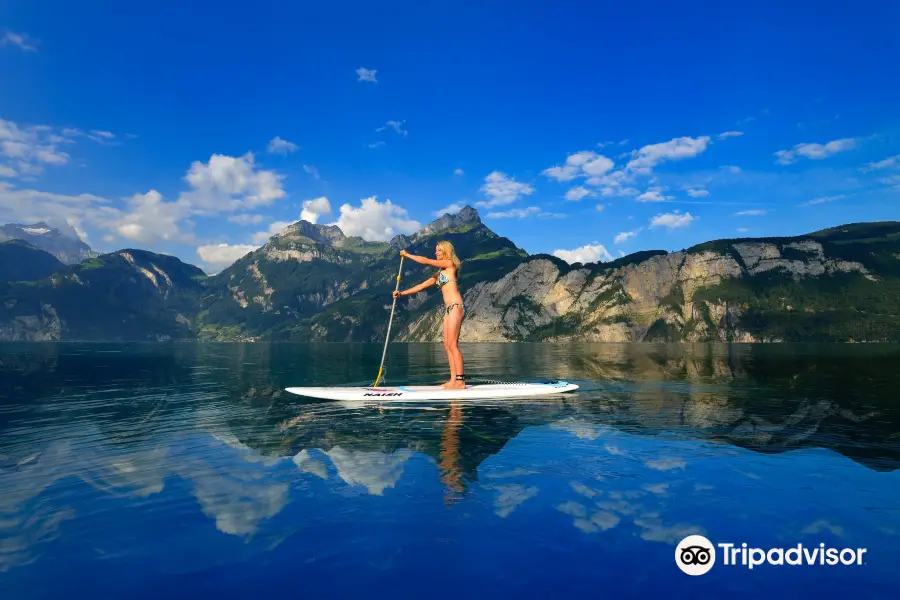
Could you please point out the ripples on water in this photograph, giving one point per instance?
(156, 470)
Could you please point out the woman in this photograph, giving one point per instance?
(453, 309)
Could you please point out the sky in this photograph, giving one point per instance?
(588, 130)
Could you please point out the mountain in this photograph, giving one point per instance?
(68, 248)
(840, 284)
(313, 283)
(125, 295)
(20, 261)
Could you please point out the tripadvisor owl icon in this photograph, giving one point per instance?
(695, 555)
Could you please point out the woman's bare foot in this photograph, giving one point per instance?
(447, 384)
(455, 385)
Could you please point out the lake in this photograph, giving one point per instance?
(183, 471)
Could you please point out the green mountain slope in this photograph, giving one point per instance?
(125, 295)
(841, 284)
(20, 261)
(313, 283)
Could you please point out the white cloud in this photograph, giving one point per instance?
(225, 184)
(459, 172)
(7, 171)
(98, 135)
(891, 161)
(377, 144)
(672, 220)
(624, 236)
(814, 151)
(31, 147)
(261, 237)
(247, 219)
(750, 213)
(600, 208)
(228, 183)
(617, 190)
(375, 221)
(33, 205)
(515, 213)
(149, 218)
(550, 215)
(600, 173)
(676, 149)
(501, 189)
(614, 183)
(280, 146)
(666, 463)
(221, 256)
(564, 173)
(312, 171)
(653, 195)
(742, 230)
(510, 497)
(366, 75)
(586, 163)
(396, 126)
(598, 166)
(697, 193)
(823, 200)
(578, 193)
(590, 253)
(19, 39)
(313, 209)
(451, 209)
(730, 169)
(727, 134)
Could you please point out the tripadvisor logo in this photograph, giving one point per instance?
(696, 555)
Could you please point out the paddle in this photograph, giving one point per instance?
(391, 320)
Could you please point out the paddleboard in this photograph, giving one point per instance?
(435, 392)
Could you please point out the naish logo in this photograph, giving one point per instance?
(383, 394)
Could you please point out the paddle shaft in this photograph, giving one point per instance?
(387, 337)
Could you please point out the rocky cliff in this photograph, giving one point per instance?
(310, 282)
(125, 295)
(839, 284)
(66, 246)
(313, 283)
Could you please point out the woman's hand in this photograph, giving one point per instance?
(404, 254)
(397, 294)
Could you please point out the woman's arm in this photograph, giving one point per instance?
(440, 264)
(413, 290)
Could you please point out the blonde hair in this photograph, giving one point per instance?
(450, 251)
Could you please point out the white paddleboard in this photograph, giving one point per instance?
(435, 392)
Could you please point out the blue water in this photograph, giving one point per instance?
(183, 471)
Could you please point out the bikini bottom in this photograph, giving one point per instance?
(454, 305)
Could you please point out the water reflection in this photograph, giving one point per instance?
(657, 440)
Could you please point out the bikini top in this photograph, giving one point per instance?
(442, 279)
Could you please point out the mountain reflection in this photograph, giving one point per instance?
(127, 421)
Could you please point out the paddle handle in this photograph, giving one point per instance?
(387, 337)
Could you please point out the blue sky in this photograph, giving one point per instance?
(604, 128)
